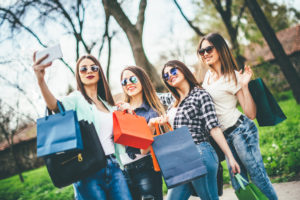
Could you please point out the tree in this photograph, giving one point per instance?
(67, 15)
(10, 122)
(282, 59)
(134, 33)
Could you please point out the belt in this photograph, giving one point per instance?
(146, 161)
(231, 128)
(110, 156)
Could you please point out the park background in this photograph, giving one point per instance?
(147, 34)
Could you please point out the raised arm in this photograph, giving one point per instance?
(39, 70)
(244, 96)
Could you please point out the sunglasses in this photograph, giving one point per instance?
(132, 79)
(207, 50)
(173, 72)
(84, 69)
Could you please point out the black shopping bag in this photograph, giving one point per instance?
(69, 167)
(178, 158)
(268, 111)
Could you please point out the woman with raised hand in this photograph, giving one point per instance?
(227, 85)
(193, 107)
(140, 97)
(93, 102)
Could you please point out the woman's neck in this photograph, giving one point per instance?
(91, 91)
(183, 90)
(136, 101)
(217, 68)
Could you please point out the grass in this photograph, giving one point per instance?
(37, 186)
(280, 147)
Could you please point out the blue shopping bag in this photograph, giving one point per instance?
(179, 160)
(58, 133)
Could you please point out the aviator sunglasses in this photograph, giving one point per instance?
(132, 79)
(207, 49)
(173, 72)
(84, 69)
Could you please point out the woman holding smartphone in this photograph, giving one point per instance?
(140, 97)
(193, 107)
(93, 102)
(226, 86)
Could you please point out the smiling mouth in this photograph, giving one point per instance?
(131, 88)
(90, 77)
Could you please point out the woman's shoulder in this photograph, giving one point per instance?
(198, 91)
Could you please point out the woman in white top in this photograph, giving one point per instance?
(226, 85)
(92, 102)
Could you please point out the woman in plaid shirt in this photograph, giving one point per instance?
(193, 107)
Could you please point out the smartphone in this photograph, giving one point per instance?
(54, 52)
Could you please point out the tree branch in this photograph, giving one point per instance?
(196, 29)
(141, 16)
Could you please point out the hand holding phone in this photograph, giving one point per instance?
(53, 52)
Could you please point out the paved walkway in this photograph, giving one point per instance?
(285, 191)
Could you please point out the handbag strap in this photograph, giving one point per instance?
(157, 128)
(60, 108)
(240, 180)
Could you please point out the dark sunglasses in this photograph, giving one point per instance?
(94, 68)
(173, 72)
(207, 49)
(132, 79)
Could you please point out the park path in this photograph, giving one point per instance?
(285, 191)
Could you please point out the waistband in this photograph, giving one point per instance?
(231, 128)
(145, 161)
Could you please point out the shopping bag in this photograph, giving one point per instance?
(249, 192)
(154, 160)
(268, 111)
(58, 132)
(131, 130)
(69, 167)
(178, 158)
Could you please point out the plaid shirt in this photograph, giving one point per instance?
(196, 111)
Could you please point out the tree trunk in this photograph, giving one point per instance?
(141, 60)
(281, 58)
(134, 34)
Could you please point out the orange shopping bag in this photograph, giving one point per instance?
(131, 130)
(155, 163)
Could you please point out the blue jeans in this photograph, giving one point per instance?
(108, 183)
(143, 181)
(243, 142)
(205, 186)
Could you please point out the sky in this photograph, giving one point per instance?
(164, 30)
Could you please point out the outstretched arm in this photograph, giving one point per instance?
(39, 70)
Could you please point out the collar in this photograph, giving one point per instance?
(144, 106)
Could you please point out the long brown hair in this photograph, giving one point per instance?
(102, 86)
(149, 94)
(188, 75)
(228, 63)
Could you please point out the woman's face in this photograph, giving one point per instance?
(88, 72)
(210, 56)
(131, 84)
(173, 76)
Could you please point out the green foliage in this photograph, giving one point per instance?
(280, 144)
(37, 186)
(273, 78)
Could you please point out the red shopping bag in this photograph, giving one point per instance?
(158, 132)
(131, 130)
